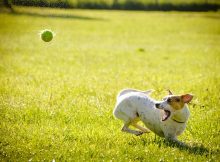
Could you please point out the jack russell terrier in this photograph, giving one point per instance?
(165, 118)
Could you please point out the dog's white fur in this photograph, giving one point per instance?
(134, 105)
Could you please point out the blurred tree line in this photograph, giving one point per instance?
(7, 4)
(165, 5)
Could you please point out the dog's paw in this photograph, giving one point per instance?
(147, 131)
(138, 133)
(182, 144)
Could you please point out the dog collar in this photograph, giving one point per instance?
(177, 121)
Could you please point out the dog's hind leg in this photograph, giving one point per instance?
(128, 117)
(144, 130)
(126, 128)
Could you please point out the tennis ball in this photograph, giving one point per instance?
(46, 35)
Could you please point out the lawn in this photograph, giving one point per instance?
(56, 99)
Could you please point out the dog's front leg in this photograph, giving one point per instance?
(174, 139)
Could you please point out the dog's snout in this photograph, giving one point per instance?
(157, 105)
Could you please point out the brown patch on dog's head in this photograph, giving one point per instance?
(177, 102)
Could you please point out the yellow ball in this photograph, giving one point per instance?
(46, 35)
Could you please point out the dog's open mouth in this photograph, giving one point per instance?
(166, 115)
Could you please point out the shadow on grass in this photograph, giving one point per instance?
(197, 149)
(213, 16)
(48, 15)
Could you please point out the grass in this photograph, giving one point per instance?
(56, 99)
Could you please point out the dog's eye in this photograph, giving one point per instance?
(177, 100)
(169, 100)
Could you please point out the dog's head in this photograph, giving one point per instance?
(173, 103)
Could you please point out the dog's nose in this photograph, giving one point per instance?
(157, 105)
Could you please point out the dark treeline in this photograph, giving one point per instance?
(125, 5)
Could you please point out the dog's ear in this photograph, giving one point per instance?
(187, 98)
(169, 91)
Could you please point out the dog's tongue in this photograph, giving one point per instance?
(165, 115)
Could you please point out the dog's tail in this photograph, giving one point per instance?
(125, 91)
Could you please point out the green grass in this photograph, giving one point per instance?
(56, 99)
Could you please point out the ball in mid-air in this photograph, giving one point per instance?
(46, 35)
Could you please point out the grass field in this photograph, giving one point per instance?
(56, 99)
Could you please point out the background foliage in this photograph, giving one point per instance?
(191, 5)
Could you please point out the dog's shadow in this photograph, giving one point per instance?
(197, 149)
(194, 148)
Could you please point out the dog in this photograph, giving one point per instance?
(166, 118)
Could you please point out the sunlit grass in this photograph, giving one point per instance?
(56, 99)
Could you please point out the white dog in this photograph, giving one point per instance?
(165, 118)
